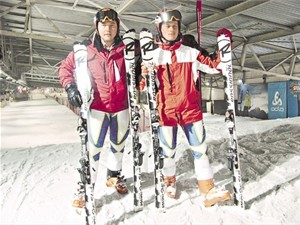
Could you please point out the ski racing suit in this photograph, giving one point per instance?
(109, 108)
(178, 103)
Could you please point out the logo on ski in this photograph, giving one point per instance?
(129, 47)
(230, 82)
(146, 47)
(225, 50)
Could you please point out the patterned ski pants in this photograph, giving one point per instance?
(195, 134)
(98, 124)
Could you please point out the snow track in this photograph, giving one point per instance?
(38, 179)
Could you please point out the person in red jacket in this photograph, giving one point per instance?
(109, 108)
(178, 102)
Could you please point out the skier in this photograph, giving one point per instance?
(241, 97)
(247, 103)
(178, 104)
(109, 108)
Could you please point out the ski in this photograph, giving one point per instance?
(199, 32)
(82, 78)
(147, 47)
(224, 45)
(86, 188)
(134, 110)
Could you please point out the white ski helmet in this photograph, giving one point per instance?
(168, 15)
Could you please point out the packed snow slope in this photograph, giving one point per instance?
(40, 149)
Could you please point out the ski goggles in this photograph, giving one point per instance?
(168, 16)
(106, 14)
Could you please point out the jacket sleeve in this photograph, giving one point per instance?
(66, 70)
(209, 63)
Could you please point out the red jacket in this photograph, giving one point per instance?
(177, 98)
(108, 75)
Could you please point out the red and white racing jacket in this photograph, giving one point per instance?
(177, 98)
(108, 76)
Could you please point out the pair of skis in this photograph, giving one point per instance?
(134, 111)
(224, 46)
(146, 45)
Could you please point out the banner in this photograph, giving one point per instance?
(277, 100)
(252, 100)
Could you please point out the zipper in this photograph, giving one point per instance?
(169, 77)
(104, 73)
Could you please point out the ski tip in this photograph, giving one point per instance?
(222, 37)
(130, 30)
(161, 210)
(138, 208)
(145, 30)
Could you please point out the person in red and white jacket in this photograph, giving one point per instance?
(109, 108)
(178, 102)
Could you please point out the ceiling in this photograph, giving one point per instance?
(37, 34)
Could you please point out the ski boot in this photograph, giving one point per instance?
(170, 186)
(79, 201)
(119, 183)
(211, 194)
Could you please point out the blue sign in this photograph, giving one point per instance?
(277, 100)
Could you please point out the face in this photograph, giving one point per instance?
(108, 31)
(170, 30)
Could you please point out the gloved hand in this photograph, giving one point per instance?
(142, 84)
(144, 70)
(224, 31)
(74, 96)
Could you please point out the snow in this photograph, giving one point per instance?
(40, 149)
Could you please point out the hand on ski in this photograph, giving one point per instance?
(74, 96)
(142, 84)
(144, 70)
(144, 73)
